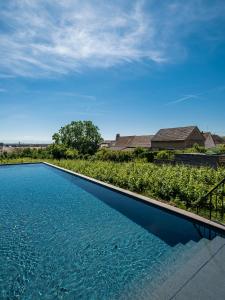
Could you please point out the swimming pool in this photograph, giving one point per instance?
(63, 237)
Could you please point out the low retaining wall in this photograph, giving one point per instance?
(194, 159)
(212, 161)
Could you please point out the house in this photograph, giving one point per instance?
(107, 144)
(212, 140)
(132, 142)
(177, 138)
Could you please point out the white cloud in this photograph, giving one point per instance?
(204, 94)
(184, 99)
(44, 37)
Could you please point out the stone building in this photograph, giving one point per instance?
(177, 138)
(212, 140)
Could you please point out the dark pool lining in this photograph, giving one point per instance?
(205, 230)
(142, 200)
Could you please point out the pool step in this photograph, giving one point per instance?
(180, 254)
(196, 260)
(170, 264)
(166, 267)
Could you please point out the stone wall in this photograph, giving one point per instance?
(197, 160)
(200, 160)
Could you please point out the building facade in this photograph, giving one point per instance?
(177, 138)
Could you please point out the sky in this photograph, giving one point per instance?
(131, 67)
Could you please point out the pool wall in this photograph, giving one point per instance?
(177, 211)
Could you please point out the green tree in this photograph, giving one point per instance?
(83, 136)
(57, 151)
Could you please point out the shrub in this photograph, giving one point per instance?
(165, 154)
(147, 155)
(196, 149)
(114, 155)
(221, 148)
(138, 151)
(57, 151)
(71, 154)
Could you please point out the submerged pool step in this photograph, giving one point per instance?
(170, 264)
(180, 253)
(190, 249)
(197, 258)
(166, 267)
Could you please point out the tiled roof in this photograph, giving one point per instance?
(124, 141)
(217, 139)
(133, 141)
(141, 141)
(206, 134)
(173, 134)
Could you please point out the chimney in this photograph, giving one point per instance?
(117, 136)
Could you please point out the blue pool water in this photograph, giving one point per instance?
(62, 237)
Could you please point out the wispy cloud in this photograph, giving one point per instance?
(190, 97)
(184, 99)
(45, 37)
(2, 90)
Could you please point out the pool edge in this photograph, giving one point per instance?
(21, 163)
(145, 199)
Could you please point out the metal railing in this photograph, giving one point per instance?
(212, 205)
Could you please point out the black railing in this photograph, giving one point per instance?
(212, 205)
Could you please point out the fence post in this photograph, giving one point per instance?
(210, 206)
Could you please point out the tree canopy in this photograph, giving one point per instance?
(83, 136)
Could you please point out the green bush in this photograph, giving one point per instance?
(165, 154)
(221, 148)
(138, 151)
(196, 149)
(115, 156)
(71, 154)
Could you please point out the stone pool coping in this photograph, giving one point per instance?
(147, 200)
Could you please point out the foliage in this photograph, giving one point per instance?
(52, 151)
(165, 154)
(57, 151)
(113, 155)
(141, 153)
(26, 152)
(71, 154)
(83, 136)
(124, 156)
(138, 151)
(221, 149)
(179, 184)
(196, 149)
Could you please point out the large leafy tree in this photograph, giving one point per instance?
(81, 135)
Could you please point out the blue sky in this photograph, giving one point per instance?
(131, 67)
